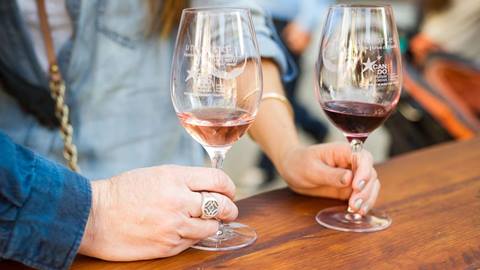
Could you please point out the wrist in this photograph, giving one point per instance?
(282, 159)
(99, 189)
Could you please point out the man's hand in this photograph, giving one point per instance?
(154, 212)
(325, 170)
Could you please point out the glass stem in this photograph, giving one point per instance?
(356, 146)
(217, 159)
(217, 156)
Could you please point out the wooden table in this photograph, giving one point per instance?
(432, 195)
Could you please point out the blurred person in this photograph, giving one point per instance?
(295, 21)
(449, 25)
(114, 57)
(441, 101)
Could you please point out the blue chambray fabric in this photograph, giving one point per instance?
(307, 13)
(118, 86)
(44, 208)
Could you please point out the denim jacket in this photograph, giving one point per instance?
(117, 86)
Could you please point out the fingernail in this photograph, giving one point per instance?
(361, 185)
(358, 203)
(365, 208)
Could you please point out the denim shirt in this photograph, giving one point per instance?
(117, 86)
(44, 208)
(305, 13)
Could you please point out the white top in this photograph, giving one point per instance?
(58, 19)
(457, 29)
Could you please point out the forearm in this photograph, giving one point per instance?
(274, 127)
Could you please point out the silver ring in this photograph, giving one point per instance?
(210, 206)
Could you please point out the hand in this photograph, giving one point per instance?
(325, 170)
(296, 38)
(154, 212)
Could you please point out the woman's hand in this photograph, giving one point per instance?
(154, 212)
(325, 170)
(319, 170)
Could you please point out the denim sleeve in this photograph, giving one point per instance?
(44, 208)
(310, 13)
(269, 43)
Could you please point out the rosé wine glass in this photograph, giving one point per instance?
(358, 81)
(216, 86)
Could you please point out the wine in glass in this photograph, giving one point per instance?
(358, 82)
(216, 88)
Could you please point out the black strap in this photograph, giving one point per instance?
(33, 99)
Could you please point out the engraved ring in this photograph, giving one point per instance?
(209, 206)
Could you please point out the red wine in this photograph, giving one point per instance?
(356, 119)
(216, 126)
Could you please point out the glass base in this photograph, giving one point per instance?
(338, 218)
(235, 235)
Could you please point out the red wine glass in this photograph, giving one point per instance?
(216, 88)
(358, 82)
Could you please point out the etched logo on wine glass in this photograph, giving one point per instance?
(383, 73)
(378, 72)
(381, 70)
(369, 65)
(214, 69)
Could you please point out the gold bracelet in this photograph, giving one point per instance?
(279, 97)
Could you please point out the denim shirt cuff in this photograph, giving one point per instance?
(271, 46)
(271, 49)
(50, 224)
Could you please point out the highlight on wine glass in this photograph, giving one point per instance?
(358, 82)
(216, 86)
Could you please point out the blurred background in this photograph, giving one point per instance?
(440, 40)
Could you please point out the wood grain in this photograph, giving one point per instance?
(432, 195)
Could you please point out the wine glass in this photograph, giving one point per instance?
(358, 81)
(216, 88)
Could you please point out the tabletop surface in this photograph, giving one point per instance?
(432, 195)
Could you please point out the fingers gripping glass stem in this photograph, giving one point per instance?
(232, 235)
